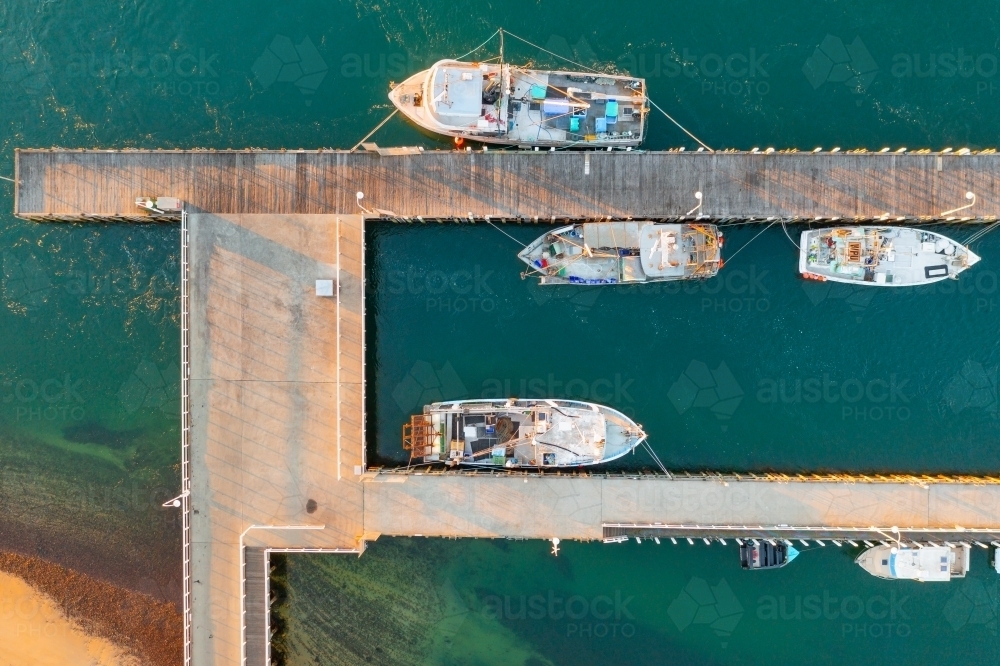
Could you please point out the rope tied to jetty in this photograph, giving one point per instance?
(377, 128)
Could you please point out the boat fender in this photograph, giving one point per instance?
(459, 142)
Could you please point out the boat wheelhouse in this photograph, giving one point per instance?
(881, 256)
(500, 103)
(625, 253)
(520, 433)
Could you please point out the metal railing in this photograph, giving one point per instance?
(185, 496)
(922, 480)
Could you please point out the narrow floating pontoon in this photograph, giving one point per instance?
(500, 103)
(924, 564)
(625, 253)
(520, 433)
(881, 256)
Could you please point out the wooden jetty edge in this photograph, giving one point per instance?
(273, 453)
(59, 184)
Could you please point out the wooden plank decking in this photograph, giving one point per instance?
(73, 185)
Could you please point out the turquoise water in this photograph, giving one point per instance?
(905, 381)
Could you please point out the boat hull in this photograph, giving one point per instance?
(520, 433)
(926, 564)
(631, 252)
(763, 555)
(528, 108)
(881, 256)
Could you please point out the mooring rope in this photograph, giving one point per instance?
(728, 261)
(506, 234)
(789, 237)
(480, 46)
(656, 458)
(683, 129)
(979, 234)
(377, 128)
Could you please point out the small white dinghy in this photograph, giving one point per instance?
(881, 256)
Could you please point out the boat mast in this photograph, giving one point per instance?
(501, 47)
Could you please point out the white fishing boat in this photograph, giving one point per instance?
(501, 103)
(520, 433)
(881, 256)
(624, 253)
(925, 564)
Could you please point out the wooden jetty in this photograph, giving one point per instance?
(273, 444)
(75, 185)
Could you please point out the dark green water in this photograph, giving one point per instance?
(906, 381)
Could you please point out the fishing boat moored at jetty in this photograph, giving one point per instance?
(520, 433)
(500, 103)
(925, 564)
(881, 256)
(624, 253)
(758, 555)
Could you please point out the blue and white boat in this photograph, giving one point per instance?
(922, 563)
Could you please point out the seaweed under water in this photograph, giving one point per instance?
(95, 433)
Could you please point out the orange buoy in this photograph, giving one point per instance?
(459, 141)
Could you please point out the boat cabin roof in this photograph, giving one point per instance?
(662, 249)
(929, 564)
(457, 90)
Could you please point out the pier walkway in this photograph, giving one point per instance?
(600, 507)
(60, 184)
(274, 363)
